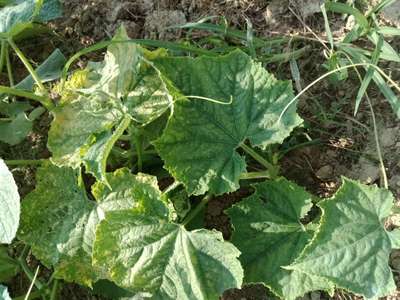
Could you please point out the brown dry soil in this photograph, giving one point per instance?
(346, 144)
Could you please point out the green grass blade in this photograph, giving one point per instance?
(389, 31)
(380, 6)
(231, 33)
(354, 34)
(327, 27)
(370, 73)
(367, 53)
(346, 9)
(284, 57)
(387, 50)
(385, 89)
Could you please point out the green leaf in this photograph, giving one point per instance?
(269, 233)
(4, 293)
(121, 88)
(13, 109)
(9, 267)
(76, 123)
(347, 9)
(180, 201)
(95, 158)
(200, 141)
(20, 15)
(14, 131)
(5, 2)
(110, 290)
(386, 50)
(148, 255)
(150, 97)
(9, 205)
(389, 31)
(352, 247)
(59, 221)
(370, 71)
(128, 76)
(395, 238)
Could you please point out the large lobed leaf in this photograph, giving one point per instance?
(200, 142)
(352, 247)
(59, 221)
(121, 89)
(9, 205)
(269, 233)
(152, 257)
(20, 14)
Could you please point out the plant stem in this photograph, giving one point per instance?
(9, 67)
(54, 290)
(196, 210)
(27, 64)
(46, 102)
(377, 143)
(2, 54)
(255, 175)
(257, 157)
(139, 150)
(25, 162)
(32, 296)
(22, 262)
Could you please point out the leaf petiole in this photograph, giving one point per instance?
(196, 210)
(27, 64)
(2, 54)
(25, 162)
(22, 262)
(9, 67)
(271, 168)
(255, 175)
(54, 290)
(45, 101)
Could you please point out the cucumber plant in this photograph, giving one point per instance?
(141, 116)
